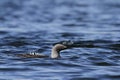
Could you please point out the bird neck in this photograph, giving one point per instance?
(55, 53)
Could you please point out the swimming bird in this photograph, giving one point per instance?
(55, 52)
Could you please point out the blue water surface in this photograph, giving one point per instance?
(27, 25)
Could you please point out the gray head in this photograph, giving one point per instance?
(63, 45)
(57, 47)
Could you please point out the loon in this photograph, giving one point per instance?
(55, 52)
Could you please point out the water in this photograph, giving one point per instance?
(27, 25)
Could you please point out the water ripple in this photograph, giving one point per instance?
(34, 25)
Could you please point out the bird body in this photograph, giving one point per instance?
(55, 52)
